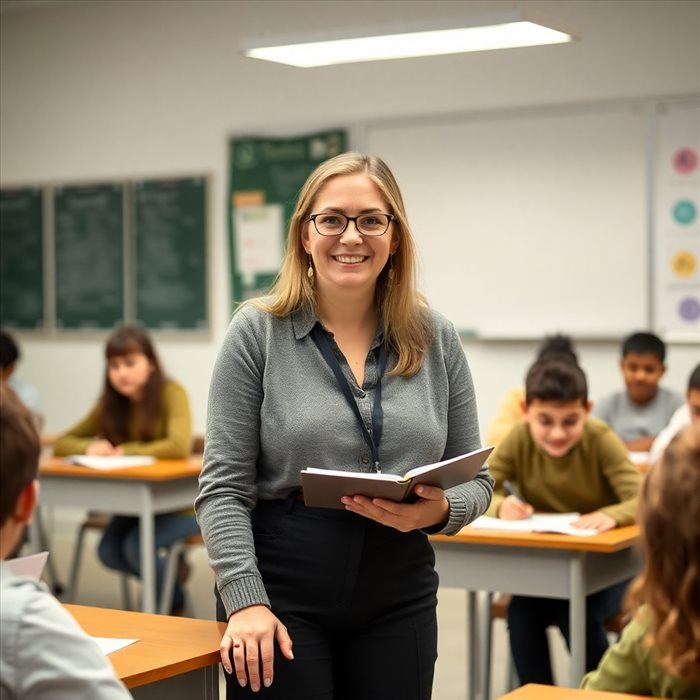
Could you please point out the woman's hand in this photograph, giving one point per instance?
(512, 508)
(249, 640)
(597, 521)
(430, 509)
(101, 448)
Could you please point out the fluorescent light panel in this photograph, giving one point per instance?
(408, 45)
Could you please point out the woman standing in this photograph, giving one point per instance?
(344, 367)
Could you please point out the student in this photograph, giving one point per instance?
(688, 413)
(510, 411)
(27, 394)
(639, 413)
(44, 653)
(559, 460)
(659, 651)
(140, 412)
(343, 366)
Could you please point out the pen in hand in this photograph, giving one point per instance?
(512, 491)
(516, 509)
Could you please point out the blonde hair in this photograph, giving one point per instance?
(406, 323)
(669, 515)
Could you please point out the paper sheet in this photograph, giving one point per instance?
(540, 522)
(110, 644)
(32, 565)
(117, 462)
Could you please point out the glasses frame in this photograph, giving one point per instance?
(354, 219)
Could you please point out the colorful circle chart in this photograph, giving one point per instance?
(689, 309)
(685, 161)
(684, 212)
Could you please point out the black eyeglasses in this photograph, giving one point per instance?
(332, 224)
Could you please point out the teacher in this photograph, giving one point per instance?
(343, 366)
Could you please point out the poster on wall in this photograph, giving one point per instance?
(677, 222)
(265, 176)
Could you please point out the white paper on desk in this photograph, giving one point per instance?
(115, 462)
(111, 644)
(31, 565)
(639, 457)
(539, 522)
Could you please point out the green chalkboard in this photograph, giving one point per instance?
(170, 253)
(89, 255)
(21, 258)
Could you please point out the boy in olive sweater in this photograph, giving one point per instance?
(560, 460)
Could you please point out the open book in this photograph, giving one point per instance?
(539, 522)
(325, 487)
(112, 462)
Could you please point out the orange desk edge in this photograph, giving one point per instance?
(160, 470)
(532, 691)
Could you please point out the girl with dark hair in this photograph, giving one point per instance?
(140, 412)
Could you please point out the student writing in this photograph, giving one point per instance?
(659, 651)
(559, 460)
(140, 412)
(44, 654)
(344, 366)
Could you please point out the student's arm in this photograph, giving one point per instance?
(177, 441)
(624, 478)
(503, 464)
(55, 660)
(623, 669)
(77, 438)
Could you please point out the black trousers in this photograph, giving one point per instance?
(358, 599)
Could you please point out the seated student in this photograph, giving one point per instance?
(688, 413)
(639, 413)
(659, 651)
(510, 412)
(27, 394)
(140, 412)
(561, 461)
(44, 653)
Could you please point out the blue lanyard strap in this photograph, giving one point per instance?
(374, 436)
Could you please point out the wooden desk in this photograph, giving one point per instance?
(535, 564)
(175, 657)
(532, 691)
(166, 486)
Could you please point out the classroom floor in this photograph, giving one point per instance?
(101, 587)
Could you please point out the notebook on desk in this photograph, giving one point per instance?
(539, 522)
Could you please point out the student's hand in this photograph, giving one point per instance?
(100, 448)
(249, 639)
(512, 508)
(596, 520)
(430, 509)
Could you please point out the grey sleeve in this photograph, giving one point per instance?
(56, 660)
(227, 483)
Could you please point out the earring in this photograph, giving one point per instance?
(310, 271)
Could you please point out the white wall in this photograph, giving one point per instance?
(112, 89)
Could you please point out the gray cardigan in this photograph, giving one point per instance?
(275, 408)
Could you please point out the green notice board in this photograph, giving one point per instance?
(21, 258)
(89, 255)
(266, 175)
(170, 253)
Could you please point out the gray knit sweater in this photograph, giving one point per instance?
(275, 408)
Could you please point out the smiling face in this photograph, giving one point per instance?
(349, 262)
(556, 426)
(642, 373)
(128, 374)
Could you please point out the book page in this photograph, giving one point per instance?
(112, 462)
(354, 475)
(539, 522)
(417, 471)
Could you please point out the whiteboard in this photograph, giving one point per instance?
(528, 223)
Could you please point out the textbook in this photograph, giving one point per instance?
(111, 462)
(539, 522)
(323, 488)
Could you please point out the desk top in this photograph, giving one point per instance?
(532, 691)
(605, 542)
(167, 646)
(161, 470)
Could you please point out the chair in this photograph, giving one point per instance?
(175, 552)
(496, 608)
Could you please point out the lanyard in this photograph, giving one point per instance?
(374, 436)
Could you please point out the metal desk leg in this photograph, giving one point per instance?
(577, 617)
(472, 645)
(148, 553)
(485, 642)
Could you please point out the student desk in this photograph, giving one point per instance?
(536, 564)
(532, 691)
(175, 657)
(166, 486)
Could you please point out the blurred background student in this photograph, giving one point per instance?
(140, 412)
(27, 393)
(510, 411)
(659, 651)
